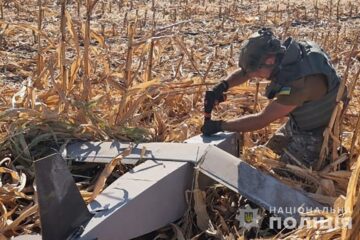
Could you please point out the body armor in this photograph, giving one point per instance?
(302, 59)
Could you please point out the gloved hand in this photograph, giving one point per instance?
(211, 127)
(219, 90)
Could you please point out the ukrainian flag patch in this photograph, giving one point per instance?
(285, 91)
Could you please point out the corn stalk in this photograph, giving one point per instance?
(90, 4)
(39, 57)
(332, 130)
(62, 46)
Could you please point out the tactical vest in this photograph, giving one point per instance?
(302, 59)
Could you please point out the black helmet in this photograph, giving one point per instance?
(254, 50)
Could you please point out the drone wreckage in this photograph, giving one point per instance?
(152, 194)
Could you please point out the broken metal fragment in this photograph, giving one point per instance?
(62, 210)
(260, 188)
(146, 198)
(104, 152)
(230, 142)
(190, 151)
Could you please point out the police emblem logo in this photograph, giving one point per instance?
(248, 217)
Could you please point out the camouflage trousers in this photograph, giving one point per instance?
(290, 143)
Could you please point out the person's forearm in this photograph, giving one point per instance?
(236, 78)
(252, 122)
(244, 124)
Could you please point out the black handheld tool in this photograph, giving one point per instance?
(209, 103)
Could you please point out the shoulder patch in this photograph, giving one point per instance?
(285, 91)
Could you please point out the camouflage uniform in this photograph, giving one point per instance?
(305, 146)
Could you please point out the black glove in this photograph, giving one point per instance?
(219, 90)
(211, 127)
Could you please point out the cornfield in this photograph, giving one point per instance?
(137, 71)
